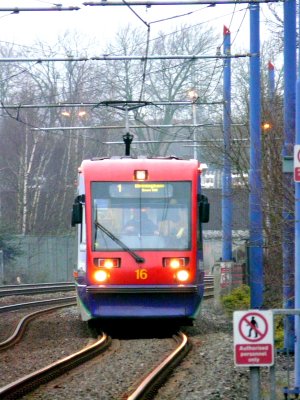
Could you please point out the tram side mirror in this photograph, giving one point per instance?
(77, 211)
(76, 214)
(203, 205)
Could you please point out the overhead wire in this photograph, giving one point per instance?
(238, 31)
(147, 47)
(182, 28)
(37, 129)
(18, 73)
(148, 36)
(148, 40)
(179, 15)
(216, 61)
(8, 14)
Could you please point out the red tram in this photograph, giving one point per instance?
(139, 238)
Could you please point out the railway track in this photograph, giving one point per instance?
(20, 329)
(31, 289)
(144, 390)
(148, 387)
(38, 303)
(31, 381)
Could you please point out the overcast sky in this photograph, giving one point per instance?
(103, 22)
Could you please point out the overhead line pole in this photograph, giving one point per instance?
(255, 197)
(288, 231)
(226, 176)
(297, 233)
(255, 181)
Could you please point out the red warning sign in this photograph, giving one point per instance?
(253, 338)
(297, 163)
(297, 174)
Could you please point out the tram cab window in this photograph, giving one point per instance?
(156, 216)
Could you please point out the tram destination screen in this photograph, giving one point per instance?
(141, 189)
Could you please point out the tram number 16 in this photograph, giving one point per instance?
(141, 274)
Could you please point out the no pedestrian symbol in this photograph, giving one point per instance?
(253, 338)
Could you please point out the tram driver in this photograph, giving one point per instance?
(140, 222)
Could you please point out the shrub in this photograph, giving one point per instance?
(10, 249)
(238, 299)
(279, 332)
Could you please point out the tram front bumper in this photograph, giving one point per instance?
(151, 301)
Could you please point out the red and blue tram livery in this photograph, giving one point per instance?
(139, 238)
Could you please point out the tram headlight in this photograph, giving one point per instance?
(182, 275)
(101, 275)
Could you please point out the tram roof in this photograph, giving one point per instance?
(160, 168)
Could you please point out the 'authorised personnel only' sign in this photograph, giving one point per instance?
(253, 338)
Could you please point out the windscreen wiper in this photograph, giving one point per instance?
(137, 258)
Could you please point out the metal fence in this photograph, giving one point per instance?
(278, 381)
(42, 259)
(282, 374)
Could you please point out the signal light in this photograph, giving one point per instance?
(140, 175)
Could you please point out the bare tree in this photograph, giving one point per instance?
(159, 80)
(45, 164)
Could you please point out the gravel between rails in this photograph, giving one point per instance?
(208, 372)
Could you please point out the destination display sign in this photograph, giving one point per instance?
(148, 189)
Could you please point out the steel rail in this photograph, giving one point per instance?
(155, 379)
(38, 303)
(25, 285)
(20, 329)
(36, 290)
(30, 382)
